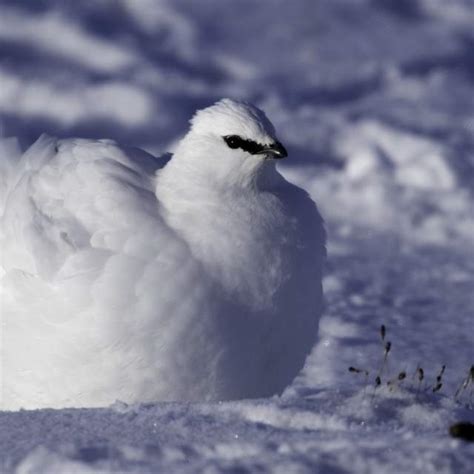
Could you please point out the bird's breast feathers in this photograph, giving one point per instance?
(246, 241)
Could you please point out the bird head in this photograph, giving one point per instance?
(230, 143)
(239, 129)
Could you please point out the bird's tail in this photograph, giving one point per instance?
(10, 155)
(14, 163)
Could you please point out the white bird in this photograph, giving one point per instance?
(128, 277)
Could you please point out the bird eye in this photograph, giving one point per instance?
(233, 141)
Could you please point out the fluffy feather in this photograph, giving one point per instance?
(133, 278)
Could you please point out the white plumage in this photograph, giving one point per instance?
(130, 277)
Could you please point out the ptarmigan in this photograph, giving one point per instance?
(129, 277)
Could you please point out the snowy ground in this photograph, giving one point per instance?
(374, 99)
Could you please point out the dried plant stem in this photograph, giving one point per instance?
(468, 381)
(378, 382)
(387, 347)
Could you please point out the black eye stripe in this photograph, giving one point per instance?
(234, 141)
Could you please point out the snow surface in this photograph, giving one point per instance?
(373, 99)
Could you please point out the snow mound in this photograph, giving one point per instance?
(394, 180)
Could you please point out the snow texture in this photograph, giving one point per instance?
(373, 100)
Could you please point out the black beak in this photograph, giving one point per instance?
(276, 150)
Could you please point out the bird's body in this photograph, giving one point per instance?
(126, 277)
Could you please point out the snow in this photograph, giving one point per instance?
(373, 100)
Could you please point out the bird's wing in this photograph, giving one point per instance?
(64, 197)
(92, 276)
